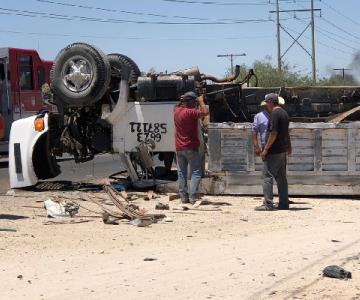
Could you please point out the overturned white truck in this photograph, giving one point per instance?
(105, 104)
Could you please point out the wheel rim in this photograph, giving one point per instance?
(77, 74)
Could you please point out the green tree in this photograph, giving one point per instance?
(269, 76)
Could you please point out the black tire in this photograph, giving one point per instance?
(117, 61)
(94, 81)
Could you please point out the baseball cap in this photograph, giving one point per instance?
(281, 101)
(272, 97)
(263, 103)
(188, 96)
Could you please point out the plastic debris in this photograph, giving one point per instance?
(61, 209)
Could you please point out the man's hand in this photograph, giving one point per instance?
(257, 150)
(263, 154)
(289, 151)
(200, 99)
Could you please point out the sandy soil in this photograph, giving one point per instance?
(235, 253)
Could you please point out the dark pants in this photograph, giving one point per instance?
(275, 167)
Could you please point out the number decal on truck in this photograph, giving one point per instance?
(148, 131)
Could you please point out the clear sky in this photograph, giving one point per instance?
(28, 24)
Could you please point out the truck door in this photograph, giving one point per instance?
(29, 93)
(5, 105)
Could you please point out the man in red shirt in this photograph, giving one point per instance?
(186, 117)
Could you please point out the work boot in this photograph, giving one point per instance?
(283, 207)
(185, 200)
(265, 207)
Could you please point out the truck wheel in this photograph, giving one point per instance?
(80, 75)
(116, 61)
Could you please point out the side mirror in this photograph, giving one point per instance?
(2, 71)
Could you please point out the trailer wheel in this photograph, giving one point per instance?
(117, 61)
(80, 75)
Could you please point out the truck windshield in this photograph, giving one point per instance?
(26, 76)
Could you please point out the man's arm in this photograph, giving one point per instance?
(271, 140)
(255, 131)
(204, 110)
(256, 143)
(289, 145)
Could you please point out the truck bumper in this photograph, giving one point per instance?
(23, 138)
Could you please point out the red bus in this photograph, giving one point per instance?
(22, 73)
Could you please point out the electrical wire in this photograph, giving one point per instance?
(112, 10)
(218, 3)
(33, 14)
(340, 28)
(330, 35)
(340, 13)
(48, 34)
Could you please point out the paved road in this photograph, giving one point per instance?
(102, 165)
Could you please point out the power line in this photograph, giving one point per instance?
(112, 10)
(231, 56)
(330, 35)
(48, 34)
(33, 14)
(340, 28)
(218, 3)
(343, 70)
(340, 13)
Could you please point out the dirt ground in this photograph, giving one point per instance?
(235, 253)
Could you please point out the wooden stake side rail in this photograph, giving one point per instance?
(324, 155)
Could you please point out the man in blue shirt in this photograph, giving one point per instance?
(260, 127)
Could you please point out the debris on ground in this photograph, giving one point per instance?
(61, 209)
(168, 220)
(173, 197)
(149, 259)
(130, 211)
(150, 195)
(141, 222)
(336, 272)
(10, 193)
(65, 221)
(215, 203)
(8, 229)
(109, 220)
(186, 208)
(162, 206)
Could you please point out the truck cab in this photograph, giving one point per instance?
(22, 74)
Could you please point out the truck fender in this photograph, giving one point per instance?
(23, 138)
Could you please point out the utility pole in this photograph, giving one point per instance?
(313, 55)
(231, 56)
(343, 70)
(278, 34)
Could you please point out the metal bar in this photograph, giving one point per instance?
(295, 40)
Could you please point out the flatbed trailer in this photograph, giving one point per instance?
(325, 159)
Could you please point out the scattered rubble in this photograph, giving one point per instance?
(60, 209)
(149, 259)
(336, 272)
(162, 206)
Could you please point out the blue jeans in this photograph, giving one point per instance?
(192, 158)
(275, 167)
